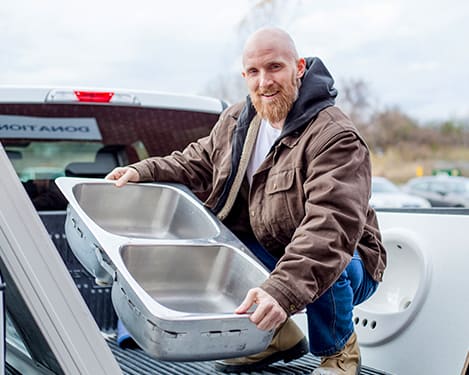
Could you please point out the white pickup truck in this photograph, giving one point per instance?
(57, 321)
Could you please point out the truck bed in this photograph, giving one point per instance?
(136, 361)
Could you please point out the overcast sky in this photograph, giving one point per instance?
(412, 53)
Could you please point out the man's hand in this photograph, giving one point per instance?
(268, 313)
(122, 175)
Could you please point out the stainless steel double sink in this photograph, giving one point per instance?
(177, 272)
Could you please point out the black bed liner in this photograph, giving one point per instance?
(137, 362)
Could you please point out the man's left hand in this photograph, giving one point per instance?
(268, 313)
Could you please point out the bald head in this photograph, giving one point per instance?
(270, 39)
(272, 71)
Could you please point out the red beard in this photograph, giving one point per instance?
(278, 107)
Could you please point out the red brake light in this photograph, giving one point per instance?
(91, 96)
(94, 96)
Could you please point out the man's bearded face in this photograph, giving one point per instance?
(274, 99)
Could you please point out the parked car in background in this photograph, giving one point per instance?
(441, 191)
(385, 194)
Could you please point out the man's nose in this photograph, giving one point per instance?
(265, 79)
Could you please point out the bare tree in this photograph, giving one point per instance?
(355, 100)
(229, 85)
(393, 127)
(266, 13)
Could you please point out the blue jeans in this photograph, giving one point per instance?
(330, 322)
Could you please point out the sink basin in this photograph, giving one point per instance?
(144, 211)
(192, 278)
(177, 272)
(177, 301)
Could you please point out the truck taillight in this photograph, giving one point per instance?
(94, 96)
(91, 96)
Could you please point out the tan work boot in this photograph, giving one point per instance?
(345, 362)
(288, 343)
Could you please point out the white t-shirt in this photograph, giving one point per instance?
(265, 139)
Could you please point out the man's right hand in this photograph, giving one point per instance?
(122, 175)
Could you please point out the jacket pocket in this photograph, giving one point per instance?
(279, 182)
(278, 208)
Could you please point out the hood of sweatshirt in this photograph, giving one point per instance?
(316, 93)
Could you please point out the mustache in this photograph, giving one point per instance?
(269, 91)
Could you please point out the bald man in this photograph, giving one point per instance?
(290, 175)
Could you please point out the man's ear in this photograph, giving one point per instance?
(243, 74)
(301, 67)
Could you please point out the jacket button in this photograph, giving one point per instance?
(292, 307)
(253, 213)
